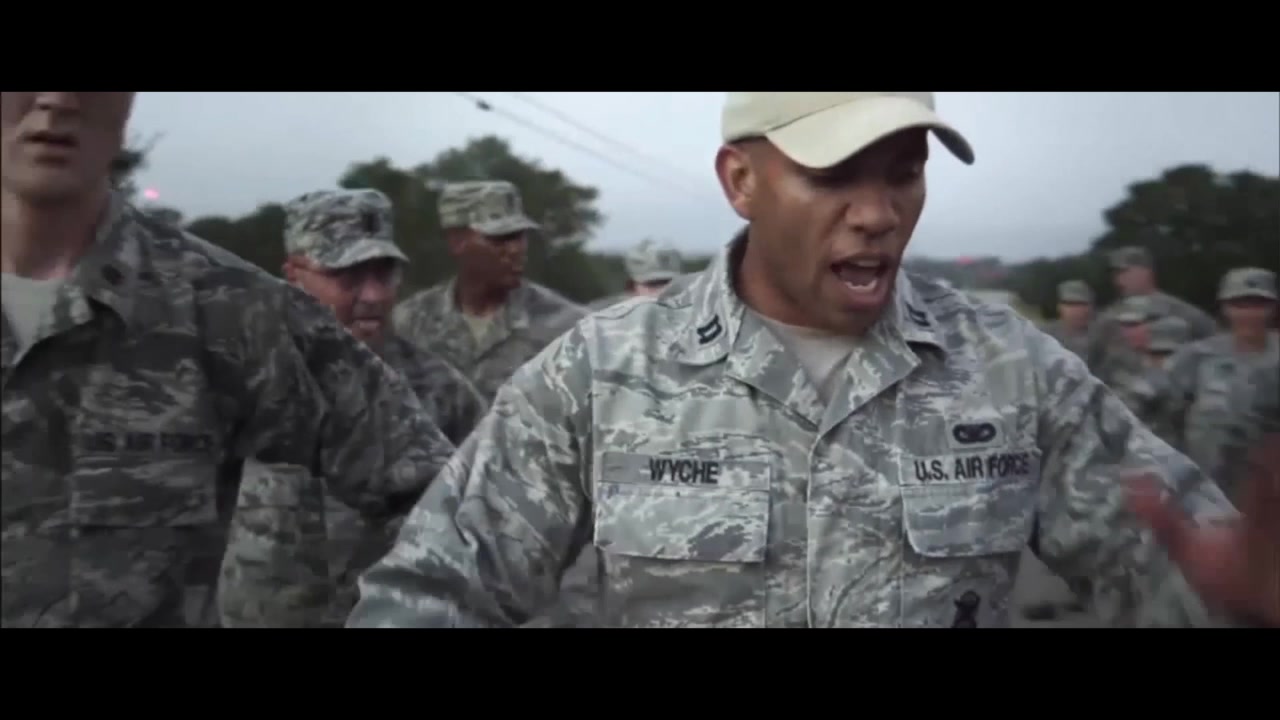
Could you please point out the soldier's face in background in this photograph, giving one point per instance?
(652, 288)
(58, 146)
(1250, 315)
(1137, 335)
(826, 243)
(361, 296)
(1075, 315)
(1134, 280)
(495, 262)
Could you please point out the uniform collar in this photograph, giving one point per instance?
(117, 262)
(716, 317)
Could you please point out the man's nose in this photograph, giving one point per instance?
(871, 211)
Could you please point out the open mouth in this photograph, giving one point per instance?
(863, 276)
(56, 142)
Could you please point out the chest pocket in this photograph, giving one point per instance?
(682, 540)
(964, 540)
(146, 539)
(1215, 388)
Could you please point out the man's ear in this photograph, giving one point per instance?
(737, 178)
(290, 270)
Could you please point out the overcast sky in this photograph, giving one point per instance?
(1047, 165)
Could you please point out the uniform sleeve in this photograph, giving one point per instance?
(315, 397)
(1088, 441)
(465, 409)
(489, 541)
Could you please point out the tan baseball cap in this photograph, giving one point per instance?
(1248, 282)
(822, 129)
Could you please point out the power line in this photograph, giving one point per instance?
(568, 120)
(486, 106)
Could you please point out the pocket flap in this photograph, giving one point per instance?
(968, 519)
(109, 491)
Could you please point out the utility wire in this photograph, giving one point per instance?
(486, 106)
(568, 120)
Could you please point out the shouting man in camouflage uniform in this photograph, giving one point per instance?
(651, 266)
(340, 250)
(488, 320)
(1133, 270)
(1231, 382)
(141, 366)
(1075, 316)
(805, 435)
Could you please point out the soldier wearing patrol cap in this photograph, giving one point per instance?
(340, 249)
(1075, 316)
(1133, 270)
(487, 320)
(651, 266)
(1231, 382)
(804, 434)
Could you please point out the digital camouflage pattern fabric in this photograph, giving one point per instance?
(532, 317)
(677, 454)
(168, 361)
(1229, 399)
(648, 262)
(341, 228)
(450, 399)
(1071, 339)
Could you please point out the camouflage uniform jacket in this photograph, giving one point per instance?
(677, 451)
(607, 301)
(1148, 393)
(532, 317)
(1230, 400)
(1107, 349)
(455, 405)
(166, 363)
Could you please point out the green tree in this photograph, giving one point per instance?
(257, 237)
(1197, 223)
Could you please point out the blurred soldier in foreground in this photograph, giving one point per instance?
(141, 366)
(804, 435)
(1134, 275)
(650, 268)
(488, 320)
(1075, 315)
(1231, 382)
(340, 250)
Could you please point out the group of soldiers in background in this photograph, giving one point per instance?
(1208, 391)
(455, 343)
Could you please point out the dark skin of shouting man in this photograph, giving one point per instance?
(141, 368)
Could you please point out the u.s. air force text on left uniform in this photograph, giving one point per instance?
(677, 456)
(163, 363)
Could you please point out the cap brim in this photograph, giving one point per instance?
(656, 277)
(1259, 294)
(829, 137)
(364, 251)
(505, 226)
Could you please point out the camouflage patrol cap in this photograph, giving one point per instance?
(337, 229)
(653, 262)
(822, 129)
(1168, 334)
(1136, 309)
(1248, 283)
(490, 207)
(1075, 291)
(1131, 256)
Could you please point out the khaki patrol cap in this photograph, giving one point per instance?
(1248, 283)
(490, 207)
(1131, 256)
(1075, 291)
(653, 262)
(823, 129)
(1168, 333)
(1136, 309)
(338, 229)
